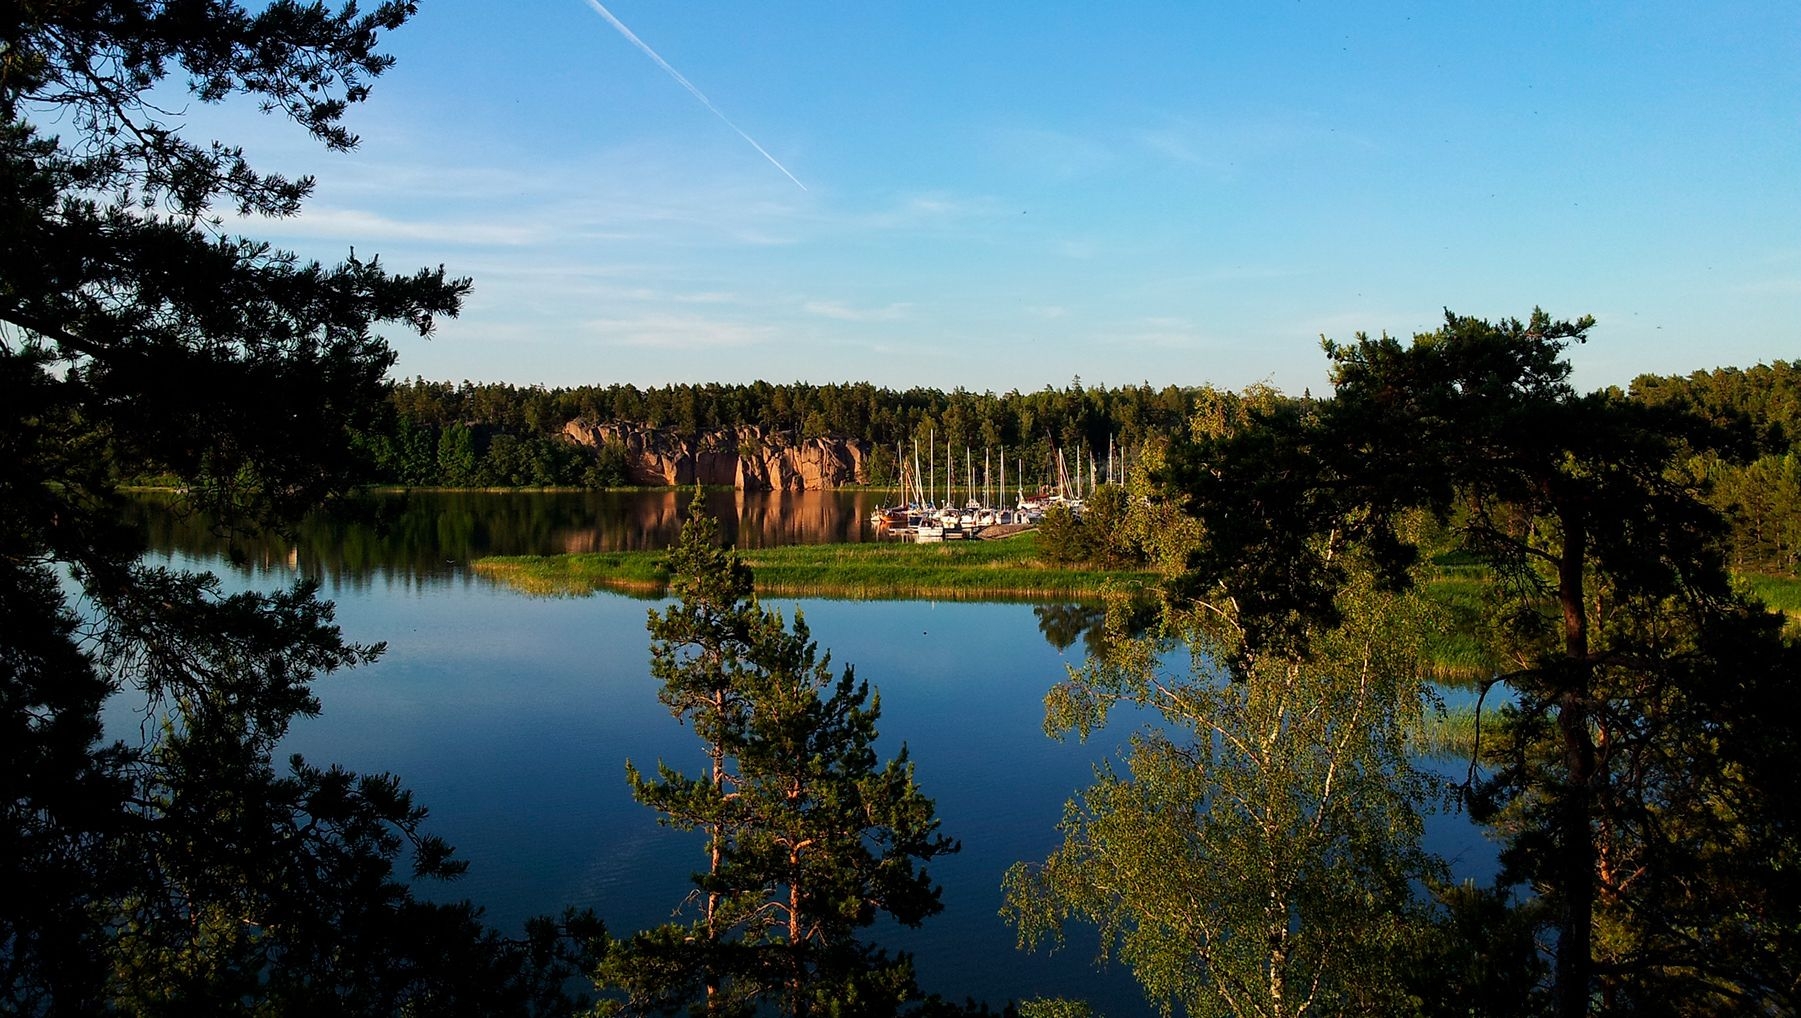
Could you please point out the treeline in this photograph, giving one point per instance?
(496, 434)
(493, 434)
(1756, 480)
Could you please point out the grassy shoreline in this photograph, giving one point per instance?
(1008, 570)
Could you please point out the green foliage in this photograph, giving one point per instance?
(1763, 501)
(1256, 858)
(456, 456)
(1134, 525)
(1478, 957)
(1100, 534)
(420, 452)
(1011, 569)
(187, 873)
(1605, 599)
(1754, 477)
(1056, 1008)
(1761, 403)
(1062, 538)
(1031, 425)
(808, 839)
(609, 468)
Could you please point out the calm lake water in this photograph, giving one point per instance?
(512, 717)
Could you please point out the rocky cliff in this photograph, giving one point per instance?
(747, 458)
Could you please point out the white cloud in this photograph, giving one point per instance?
(668, 331)
(1224, 147)
(369, 228)
(846, 313)
(930, 210)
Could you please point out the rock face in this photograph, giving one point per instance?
(747, 458)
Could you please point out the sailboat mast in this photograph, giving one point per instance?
(916, 490)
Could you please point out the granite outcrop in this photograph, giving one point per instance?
(749, 458)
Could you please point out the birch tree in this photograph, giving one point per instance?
(1641, 681)
(1254, 857)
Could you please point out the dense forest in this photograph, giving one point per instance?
(500, 435)
(494, 434)
(1757, 480)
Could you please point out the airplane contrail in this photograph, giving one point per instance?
(685, 83)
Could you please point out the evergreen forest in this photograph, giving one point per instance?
(1256, 853)
(500, 435)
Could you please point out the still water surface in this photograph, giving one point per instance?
(511, 717)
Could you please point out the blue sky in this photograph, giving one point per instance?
(1008, 195)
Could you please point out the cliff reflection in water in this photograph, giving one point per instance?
(418, 538)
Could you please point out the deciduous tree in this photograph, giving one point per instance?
(1258, 856)
(1609, 590)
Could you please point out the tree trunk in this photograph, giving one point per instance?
(1574, 965)
(797, 1005)
(716, 856)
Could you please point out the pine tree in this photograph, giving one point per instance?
(809, 839)
(189, 874)
(1636, 781)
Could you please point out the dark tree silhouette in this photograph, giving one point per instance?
(184, 872)
(1611, 609)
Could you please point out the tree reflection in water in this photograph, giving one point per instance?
(1064, 624)
(425, 537)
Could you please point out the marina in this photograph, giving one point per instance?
(987, 513)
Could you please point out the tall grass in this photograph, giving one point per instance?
(1782, 593)
(630, 572)
(1455, 652)
(1451, 733)
(954, 570)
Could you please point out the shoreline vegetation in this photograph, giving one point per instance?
(1002, 570)
(1012, 570)
(1009, 569)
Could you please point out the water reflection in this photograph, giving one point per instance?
(414, 540)
(424, 537)
(512, 717)
(1063, 624)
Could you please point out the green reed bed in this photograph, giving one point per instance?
(1451, 733)
(1782, 593)
(631, 572)
(950, 571)
(1454, 650)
